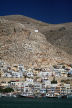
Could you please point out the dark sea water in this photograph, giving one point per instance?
(35, 103)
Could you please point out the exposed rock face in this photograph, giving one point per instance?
(19, 43)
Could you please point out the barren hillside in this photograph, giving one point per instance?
(19, 43)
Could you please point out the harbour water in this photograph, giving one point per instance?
(35, 103)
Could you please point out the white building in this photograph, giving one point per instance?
(67, 88)
(30, 74)
(7, 75)
(44, 74)
(36, 31)
(16, 84)
(28, 86)
(37, 85)
(21, 68)
(17, 74)
(30, 80)
(47, 83)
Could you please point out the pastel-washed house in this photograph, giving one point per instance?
(53, 89)
(37, 86)
(4, 84)
(17, 85)
(65, 89)
(28, 86)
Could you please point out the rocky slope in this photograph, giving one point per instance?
(19, 43)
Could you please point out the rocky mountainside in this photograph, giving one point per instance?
(19, 43)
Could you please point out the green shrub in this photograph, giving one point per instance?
(53, 82)
(6, 90)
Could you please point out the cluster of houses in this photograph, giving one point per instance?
(16, 71)
(52, 81)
